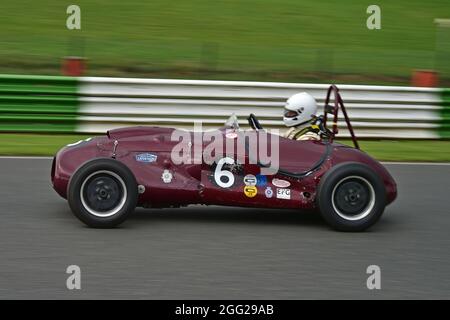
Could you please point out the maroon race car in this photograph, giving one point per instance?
(105, 178)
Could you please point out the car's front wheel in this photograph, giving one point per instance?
(351, 197)
(102, 193)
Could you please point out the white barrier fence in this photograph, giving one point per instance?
(375, 111)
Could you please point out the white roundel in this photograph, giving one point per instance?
(280, 183)
(250, 180)
(224, 178)
(268, 192)
(299, 109)
(231, 134)
(166, 176)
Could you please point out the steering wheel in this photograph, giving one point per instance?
(253, 122)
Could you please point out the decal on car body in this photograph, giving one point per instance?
(231, 135)
(224, 178)
(268, 192)
(280, 183)
(283, 193)
(261, 180)
(250, 180)
(167, 176)
(146, 157)
(250, 191)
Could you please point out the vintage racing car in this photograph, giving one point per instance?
(105, 178)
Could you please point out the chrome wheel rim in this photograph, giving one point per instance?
(353, 198)
(103, 193)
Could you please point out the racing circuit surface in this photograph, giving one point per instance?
(222, 253)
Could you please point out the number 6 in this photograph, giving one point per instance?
(219, 173)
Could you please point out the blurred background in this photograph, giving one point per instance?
(290, 41)
(264, 40)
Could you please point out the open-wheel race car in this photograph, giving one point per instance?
(105, 178)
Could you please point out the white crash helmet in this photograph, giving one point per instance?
(299, 109)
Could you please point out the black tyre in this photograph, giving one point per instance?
(351, 197)
(102, 193)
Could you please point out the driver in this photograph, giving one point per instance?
(299, 116)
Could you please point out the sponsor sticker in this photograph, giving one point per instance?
(250, 180)
(167, 176)
(250, 191)
(268, 192)
(146, 157)
(231, 135)
(280, 183)
(283, 193)
(261, 180)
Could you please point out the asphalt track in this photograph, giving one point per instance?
(222, 253)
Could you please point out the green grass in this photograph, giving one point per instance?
(407, 150)
(285, 40)
(35, 144)
(403, 150)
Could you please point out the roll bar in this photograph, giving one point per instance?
(334, 110)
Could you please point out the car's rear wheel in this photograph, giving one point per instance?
(351, 197)
(102, 193)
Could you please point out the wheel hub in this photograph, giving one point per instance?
(103, 193)
(353, 198)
